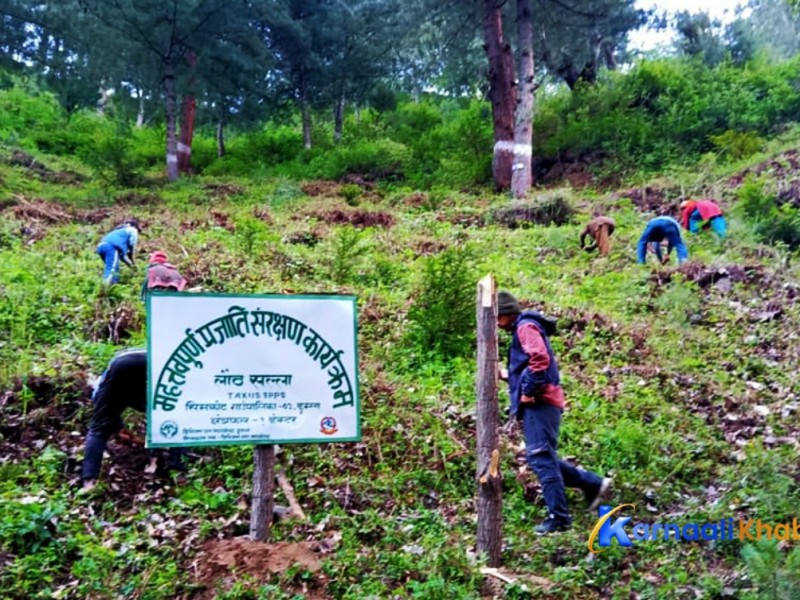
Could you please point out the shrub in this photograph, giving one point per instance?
(351, 193)
(552, 208)
(113, 158)
(736, 145)
(776, 577)
(772, 224)
(380, 159)
(443, 315)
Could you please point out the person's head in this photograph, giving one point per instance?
(508, 310)
(134, 223)
(687, 204)
(158, 257)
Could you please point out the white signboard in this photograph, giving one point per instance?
(235, 369)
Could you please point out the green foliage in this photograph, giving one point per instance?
(252, 234)
(736, 145)
(351, 193)
(113, 158)
(23, 112)
(379, 159)
(772, 223)
(347, 246)
(776, 574)
(667, 111)
(442, 319)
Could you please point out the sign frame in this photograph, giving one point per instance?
(151, 384)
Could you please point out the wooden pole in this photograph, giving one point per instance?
(263, 492)
(490, 493)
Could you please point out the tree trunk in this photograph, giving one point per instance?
(220, 138)
(338, 119)
(171, 107)
(521, 177)
(306, 115)
(140, 112)
(187, 125)
(102, 103)
(502, 94)
(490, 493)
(186, 135)
(263, 492)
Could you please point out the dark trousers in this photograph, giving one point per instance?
(114, 393)
(540, 424)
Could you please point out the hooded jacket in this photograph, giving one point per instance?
(544, 384)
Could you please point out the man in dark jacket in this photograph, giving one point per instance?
(537, 400)
(122, 385)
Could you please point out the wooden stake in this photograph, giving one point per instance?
(288, 491)
(263, 492)
(490, 500)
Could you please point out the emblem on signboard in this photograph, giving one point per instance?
(328, 425)
(169, 429)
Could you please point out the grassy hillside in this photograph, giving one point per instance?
(681, 382)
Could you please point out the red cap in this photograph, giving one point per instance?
(158, 257)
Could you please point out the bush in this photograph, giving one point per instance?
(552, 208)
(380, 159)
(113, 157)
(772, 223)
(736, 145)
(443, 315)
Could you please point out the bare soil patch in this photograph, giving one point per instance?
(221, 563)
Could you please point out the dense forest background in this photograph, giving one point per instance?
(391, 89)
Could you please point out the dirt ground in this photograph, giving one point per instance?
(220, 563)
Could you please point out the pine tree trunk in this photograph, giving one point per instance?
(140, 112)
(220, 138)
(186, 135)
(338, 119)
(521, 177)
(306, 115)
(171, 107)
(187, 125)
(502, 94)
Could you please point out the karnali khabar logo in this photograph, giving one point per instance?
(612, 525)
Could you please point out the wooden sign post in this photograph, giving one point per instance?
(257, 370)
(263, 492)
(490, 493)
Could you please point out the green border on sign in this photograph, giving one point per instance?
(356, 438)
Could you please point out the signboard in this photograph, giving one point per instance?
(245, 369)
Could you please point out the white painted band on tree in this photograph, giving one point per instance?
(184, 149)
(172, 158)
(503, 146)
(523, 149)
(509, 146)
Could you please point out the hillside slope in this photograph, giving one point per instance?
(681, 382)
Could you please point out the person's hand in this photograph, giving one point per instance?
(665, 260)
(502, 373)
(523, 399)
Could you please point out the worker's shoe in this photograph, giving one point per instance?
(598, 496)
(550, 525)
